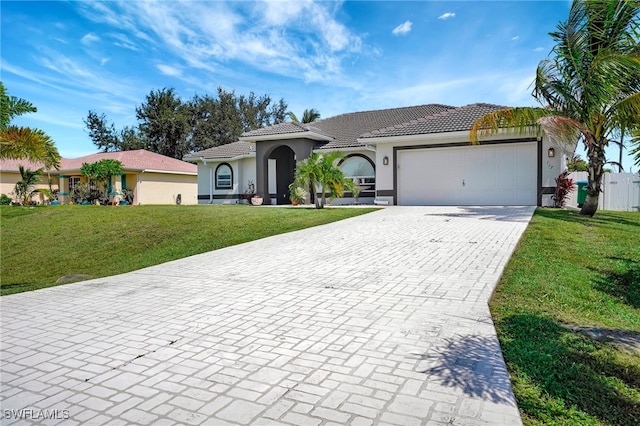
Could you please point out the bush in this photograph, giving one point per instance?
(5, 200)
(83, 192)
(564, 186)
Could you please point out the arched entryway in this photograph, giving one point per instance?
(285, 166)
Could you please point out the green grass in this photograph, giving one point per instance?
(570, 270)
(40, 245)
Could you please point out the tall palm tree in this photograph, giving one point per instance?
(308, 116)
(591, 87)
(23, 142)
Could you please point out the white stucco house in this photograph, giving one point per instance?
(419, 155)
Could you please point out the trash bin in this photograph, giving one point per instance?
(582, 192)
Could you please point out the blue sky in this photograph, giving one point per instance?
(73, 56)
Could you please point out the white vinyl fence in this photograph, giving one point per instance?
(620, 191)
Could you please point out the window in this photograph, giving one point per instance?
(224, 176)
(360, 168)
(73, 181)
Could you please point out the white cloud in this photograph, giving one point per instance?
(103, 61)
(302, 39)
(538, 49)
(169, 70)
(89, 38)
(447, 15)
(403, 28)
(515, 38)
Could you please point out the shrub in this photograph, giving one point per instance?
(564, 186)
(5, 200)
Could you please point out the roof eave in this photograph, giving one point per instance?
(411, 138)
(280, 136)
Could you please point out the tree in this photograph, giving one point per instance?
(221, 120)
(590, 87)
(577, 164)
(108, 139)
(320, 172)
(24, 188)
(23, 142)
(100, 173)
(163, 122)
(308, 116)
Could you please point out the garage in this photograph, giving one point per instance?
(494, 174)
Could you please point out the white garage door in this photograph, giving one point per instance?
(503, 174)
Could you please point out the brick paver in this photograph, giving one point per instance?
(381, 318)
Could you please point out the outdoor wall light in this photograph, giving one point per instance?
(551, 152)
(385, 160)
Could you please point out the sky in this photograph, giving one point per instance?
(69, 57)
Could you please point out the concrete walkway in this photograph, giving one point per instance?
(379, 319)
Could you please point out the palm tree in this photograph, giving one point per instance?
(320, 172)
(591, 87)
(24, 188)
(23, 142)
(308, 116)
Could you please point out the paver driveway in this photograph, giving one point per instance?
(378, 319)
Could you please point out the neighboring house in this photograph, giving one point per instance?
(153, 178)
(418, 155)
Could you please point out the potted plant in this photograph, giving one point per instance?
(256, 200)
(297, 194)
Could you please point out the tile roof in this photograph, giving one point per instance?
(279, 129)
(230, 150)
(346, 128)
(452, 120)
(349, 130)
(131, 160)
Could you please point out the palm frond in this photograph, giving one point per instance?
(521, 120)
(31, 144)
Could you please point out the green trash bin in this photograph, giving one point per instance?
(582, 192)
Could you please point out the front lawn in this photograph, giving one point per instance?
(567, 312)
(40, 245)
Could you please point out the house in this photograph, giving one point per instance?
(153, 178)
(419, 155)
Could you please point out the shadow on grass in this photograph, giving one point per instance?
(474, 365)
(600, 218)
(624, 285)
(569, 368)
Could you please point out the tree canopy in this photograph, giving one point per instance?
(23, 143)
(170, 126)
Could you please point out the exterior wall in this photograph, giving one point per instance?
(8, 180)
(244, 171)
(163, 188)
(548, 168)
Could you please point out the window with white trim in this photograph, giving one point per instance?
(224, 176)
